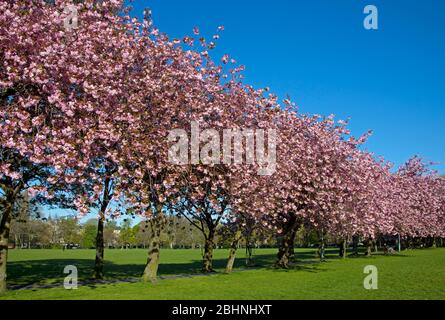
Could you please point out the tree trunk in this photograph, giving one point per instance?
(249, 260)
(285, 244)
(321, 248)
(355, 240)
(207, 260)
(5, 227)
(369, 248)
(100, 248)
(343, 249)
(249, 250)
(292, 243)
(232, 252)
(151, 268)
(99, 262)
(284, 253)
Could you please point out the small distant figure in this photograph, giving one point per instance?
(388, 250)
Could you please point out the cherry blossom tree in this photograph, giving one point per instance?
(420, 210)
(76, 85)
(86, 113)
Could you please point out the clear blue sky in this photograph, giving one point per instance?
(317, 51)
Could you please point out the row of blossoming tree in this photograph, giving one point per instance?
(85, 114)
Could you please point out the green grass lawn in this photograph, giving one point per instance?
(416, 274)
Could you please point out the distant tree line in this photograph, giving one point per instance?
(30, 230)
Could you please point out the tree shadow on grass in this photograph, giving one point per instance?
(50, 271)
(314, 267)
(351, 255)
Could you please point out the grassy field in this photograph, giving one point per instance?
(417, 274)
